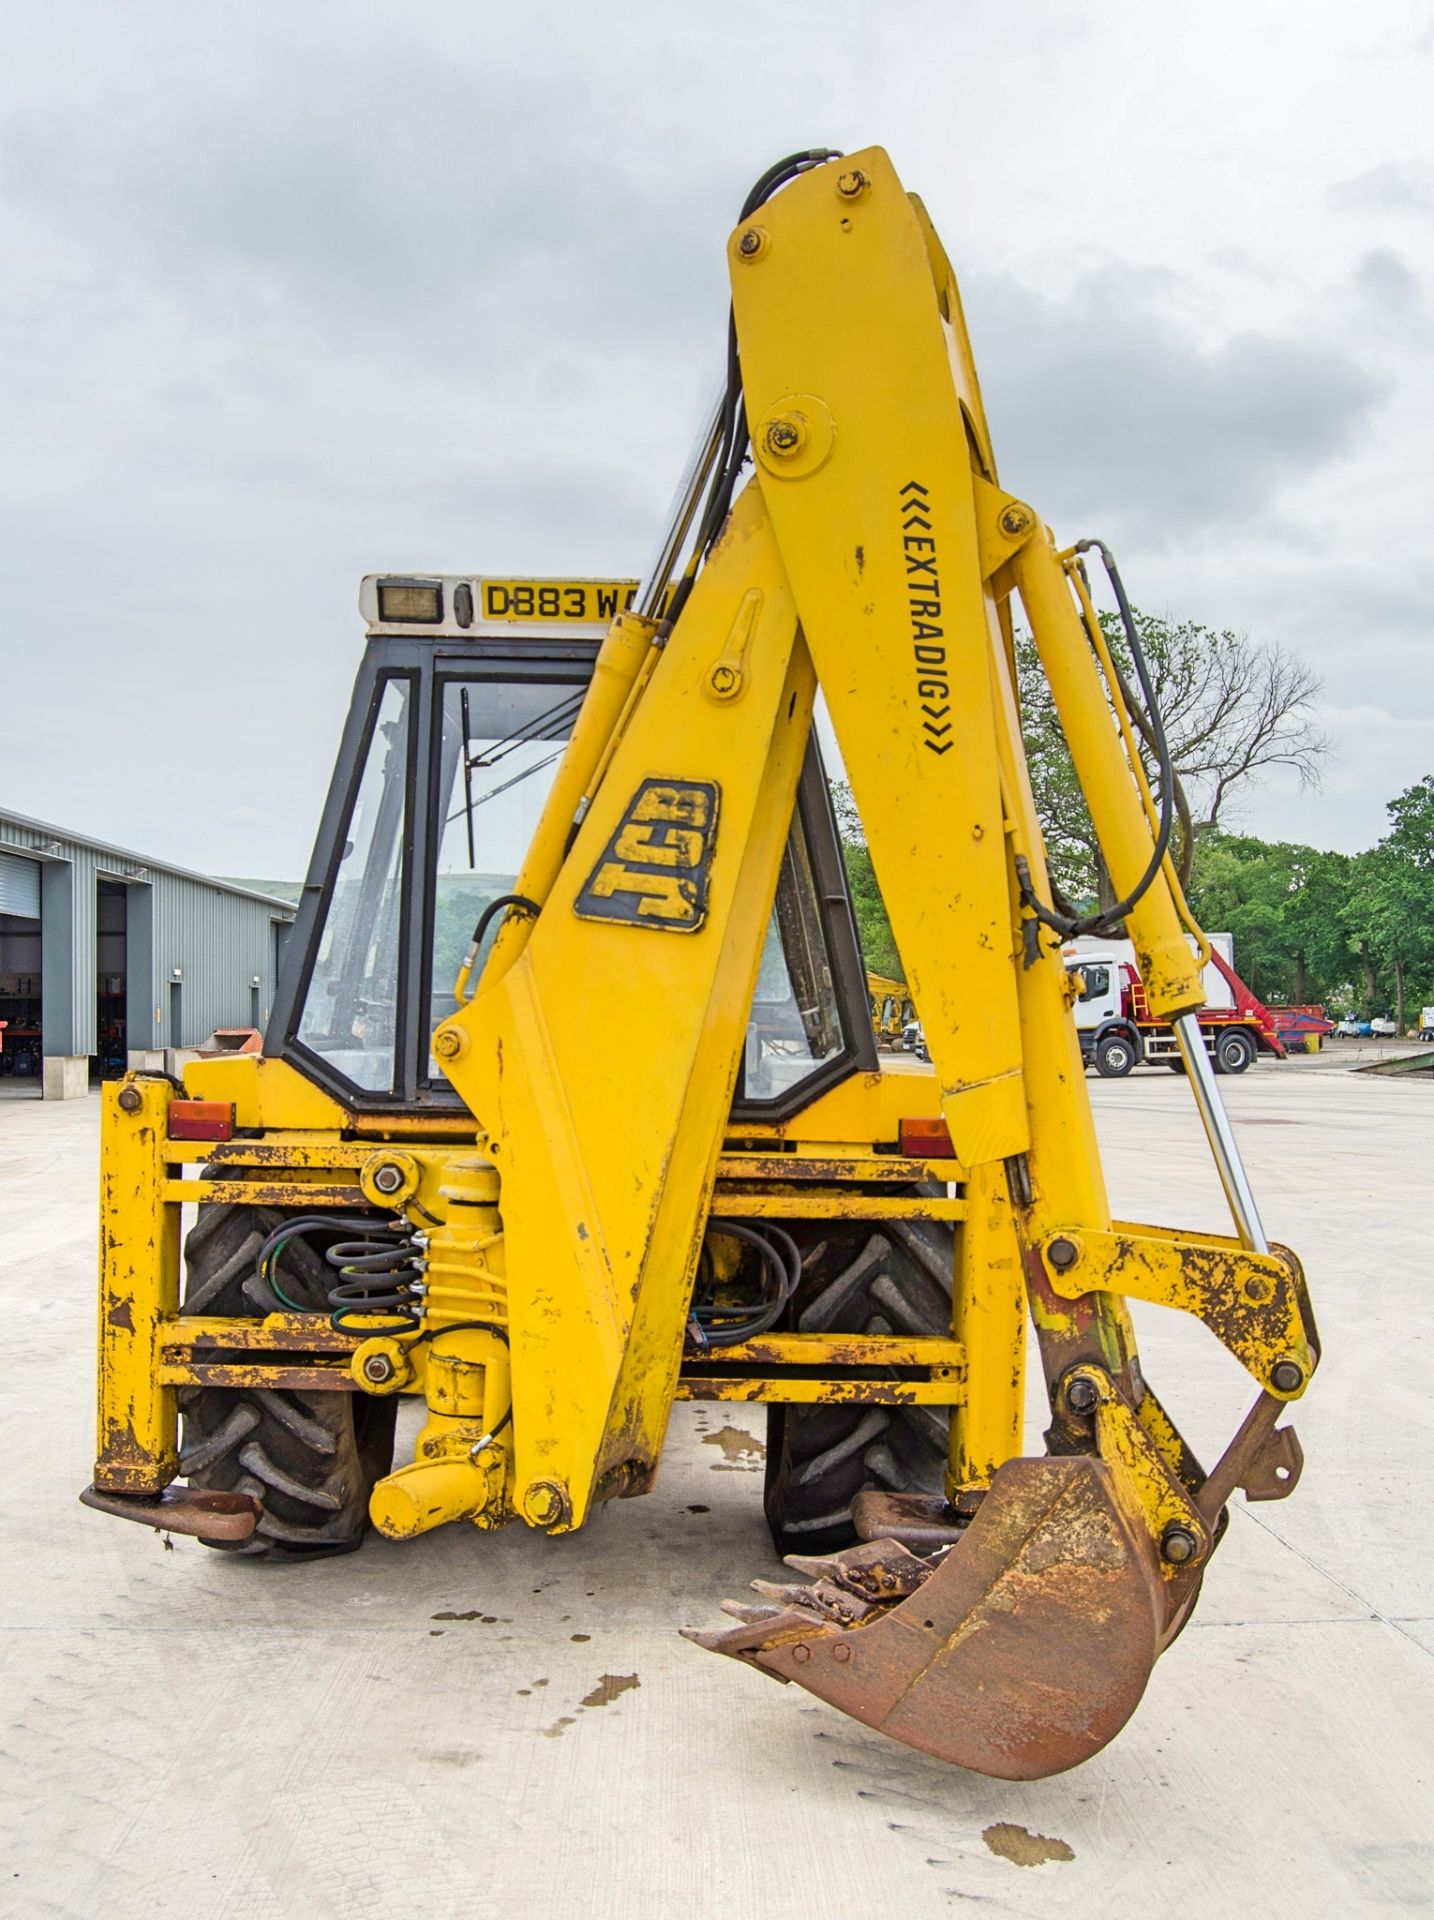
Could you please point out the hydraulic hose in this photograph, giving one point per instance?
(1106, 920)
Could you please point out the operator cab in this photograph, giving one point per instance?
(467, 694)
(1100, 991)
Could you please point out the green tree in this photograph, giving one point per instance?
(1393, 897)
(872, 922)
(1233, 709)
(1321, 926)
(1287, 907)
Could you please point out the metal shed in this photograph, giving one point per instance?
(107, 956)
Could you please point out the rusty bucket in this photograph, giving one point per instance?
(1018, 1652)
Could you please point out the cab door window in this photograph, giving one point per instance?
(350, 1013)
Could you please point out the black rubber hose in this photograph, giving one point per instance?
(494, 907)
(1107, 919)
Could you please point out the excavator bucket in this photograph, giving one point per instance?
(1017, 1651)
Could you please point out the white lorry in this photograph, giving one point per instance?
(1117, 1031)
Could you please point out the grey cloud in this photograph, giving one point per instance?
(412, 197)
(1107, 404)
(1392, 185)
(1384, 278)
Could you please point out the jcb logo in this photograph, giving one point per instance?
(653, 872)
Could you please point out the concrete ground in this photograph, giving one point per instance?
(486, 1726)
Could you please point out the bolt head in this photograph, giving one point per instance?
(801, 1653)
(1286, 1376)
(1062, 1253)
(1178, 1545)
(378, 1368)
(1015, 521)
(1082, 1395)
(1257, 1289)
(722, 680)
(544, 1503)
(447, 1044)
(785, 436)
(750, 244)
(131, 1100)
(389, 1177)
(852, 184)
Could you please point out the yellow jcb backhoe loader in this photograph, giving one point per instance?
(891, 1008)
(548, 1219)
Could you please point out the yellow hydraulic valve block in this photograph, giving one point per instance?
(460, 1468)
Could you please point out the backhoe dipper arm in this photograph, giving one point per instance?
(875, 554)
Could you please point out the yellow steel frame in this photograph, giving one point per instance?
(874, 553)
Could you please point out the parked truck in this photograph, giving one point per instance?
(1118, 1032)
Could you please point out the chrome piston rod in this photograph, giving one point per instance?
(1219, 1133)
(683, 510)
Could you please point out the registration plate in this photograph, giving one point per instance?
(575, 602)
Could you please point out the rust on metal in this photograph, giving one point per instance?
(885, 1370)
(1256, 1305)
(261, 1193)
(1263, 1459)
(780, 1389)
(411, 1126)
(123, 1465)
(760, 1168)
(277, 1332)
(842, 1350)
(331, 1377)
(767, 1203)
(284, 1153)
(921, 1521)
(1024, 1651)
(877, 1570)
(204, 1514)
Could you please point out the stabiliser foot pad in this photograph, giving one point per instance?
(1022, 1652)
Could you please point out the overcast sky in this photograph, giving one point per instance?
(296, 292)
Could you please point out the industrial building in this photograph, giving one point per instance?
(109, 959)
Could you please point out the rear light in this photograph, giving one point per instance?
(924, 1140)
(201, 1120)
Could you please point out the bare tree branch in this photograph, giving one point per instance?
(1233, 709)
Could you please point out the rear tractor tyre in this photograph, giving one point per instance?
(856, 1279)
(312, 1458)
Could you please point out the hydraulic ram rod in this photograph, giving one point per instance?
(1219, 1133)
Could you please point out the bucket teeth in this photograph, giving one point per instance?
(774, 1627)
(877, 1570)
(849, 1590)
(823, 1597)
(749, 1615)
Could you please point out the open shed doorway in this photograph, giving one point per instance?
(20, 1045)
(110, 977)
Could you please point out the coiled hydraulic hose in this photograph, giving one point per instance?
(713, 1325)
(380, 1273)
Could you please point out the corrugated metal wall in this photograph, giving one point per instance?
(19, 886)
(218, 938)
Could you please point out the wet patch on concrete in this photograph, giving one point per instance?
(610, 1687)
(742, 1452)
(1022, 1847)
